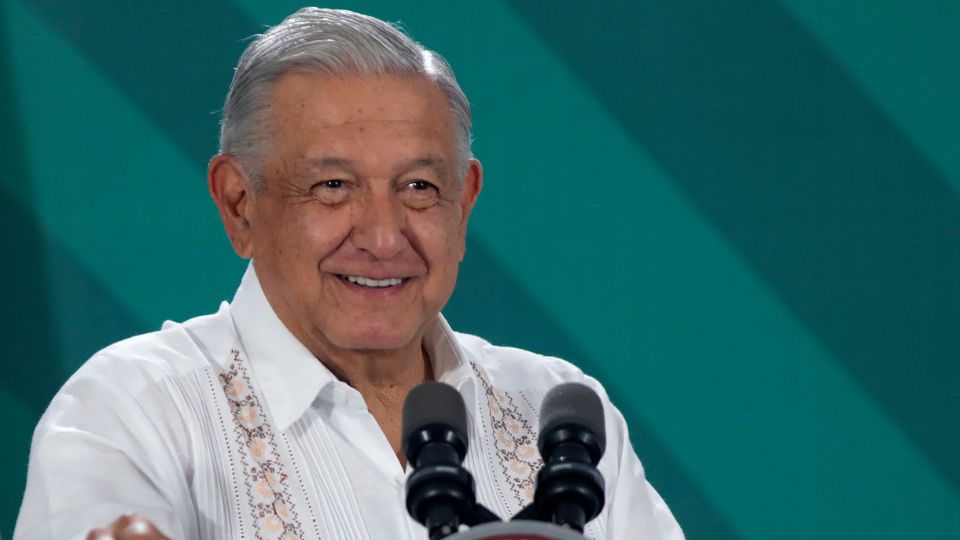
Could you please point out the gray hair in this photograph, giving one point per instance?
(332, 41)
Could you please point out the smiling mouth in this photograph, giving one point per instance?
(372, 283)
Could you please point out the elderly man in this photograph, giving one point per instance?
(345, 175)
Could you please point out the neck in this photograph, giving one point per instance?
(373, 372)
(383, 379)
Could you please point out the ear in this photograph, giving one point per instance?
(470, 187)
(233, 195)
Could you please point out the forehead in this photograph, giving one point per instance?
(320, 110)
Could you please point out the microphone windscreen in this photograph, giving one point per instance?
(434, 403)
(573, 403)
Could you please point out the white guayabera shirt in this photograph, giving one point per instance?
(227, 427)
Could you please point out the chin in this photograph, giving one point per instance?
(374, 340)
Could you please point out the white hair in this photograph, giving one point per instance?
(335, 42)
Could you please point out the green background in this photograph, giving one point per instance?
(742, 217)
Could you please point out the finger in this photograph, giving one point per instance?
(139, 528)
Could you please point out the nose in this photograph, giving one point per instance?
(379, 225)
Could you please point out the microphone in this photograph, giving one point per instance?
(570, 489)
(440, 492)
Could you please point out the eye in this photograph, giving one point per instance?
(419, 194)
(333, 191)
(421, 185)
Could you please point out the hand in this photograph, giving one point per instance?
(127, 528)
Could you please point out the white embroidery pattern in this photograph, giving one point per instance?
(273, 512)
(515, 440)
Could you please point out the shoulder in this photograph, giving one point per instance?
(174, 350)
(511, 368)
(125, 427)
(140, 373)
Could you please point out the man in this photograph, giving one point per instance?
(345, 175)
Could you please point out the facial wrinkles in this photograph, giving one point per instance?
(293, 195)
(354, 133)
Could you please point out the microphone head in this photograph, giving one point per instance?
(434, 403)
(573, 404)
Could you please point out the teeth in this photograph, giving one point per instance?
(368, 282)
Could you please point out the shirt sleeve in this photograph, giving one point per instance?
(97, 454)
(636, 510)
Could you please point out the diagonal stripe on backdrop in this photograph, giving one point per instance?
(828, 201)
(149, 50)
(496, 307)
(40, 349)
(25, 317)
(166, 53)
(39, 340)
(28, 351)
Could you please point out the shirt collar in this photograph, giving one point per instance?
(446, 355)
(449, 362)
(289, 376)
(287, 373)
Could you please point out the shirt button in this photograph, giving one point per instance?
(339, 395)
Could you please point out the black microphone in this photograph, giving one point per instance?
(440, 492)
(570, 489)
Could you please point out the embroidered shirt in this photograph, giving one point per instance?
(227, 427)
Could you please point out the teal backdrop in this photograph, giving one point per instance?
(743, 217)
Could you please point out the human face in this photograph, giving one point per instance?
(359, 231)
